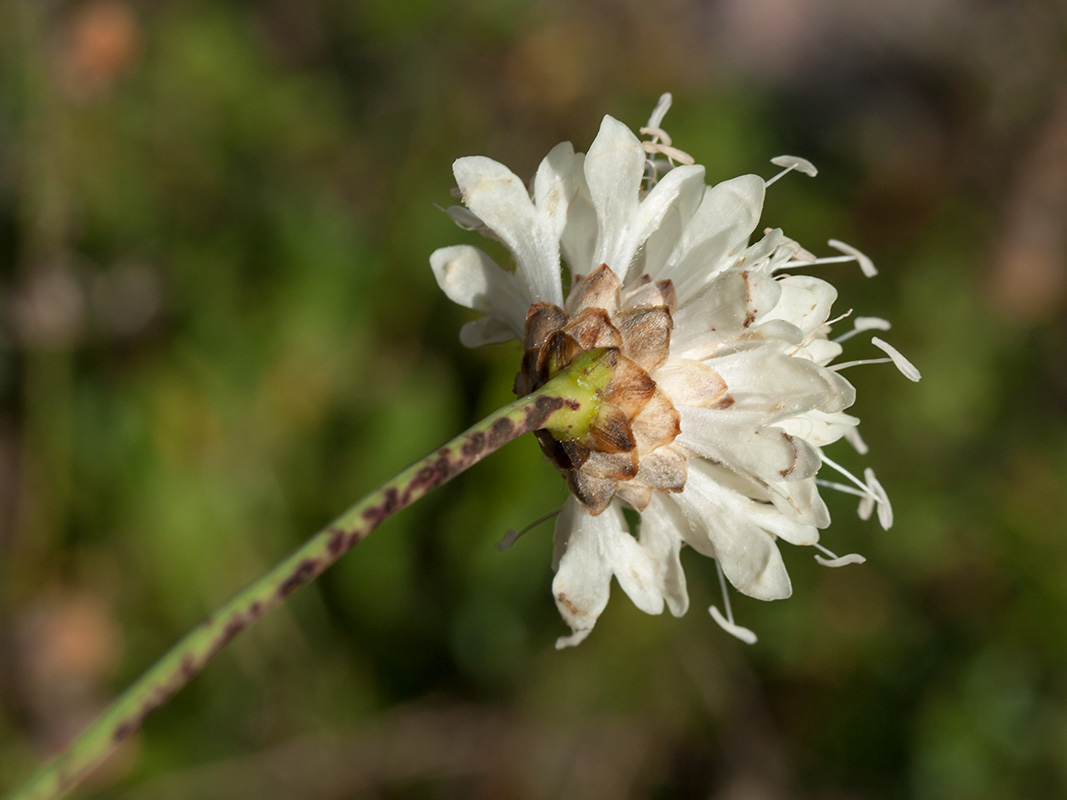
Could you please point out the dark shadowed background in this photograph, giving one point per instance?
(218, 328)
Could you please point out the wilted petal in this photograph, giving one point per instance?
(690, 383)
(598, 289)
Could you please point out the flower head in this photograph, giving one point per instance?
(724, 392)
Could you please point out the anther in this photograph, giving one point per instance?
(512, 535)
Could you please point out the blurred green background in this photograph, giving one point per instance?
(219, 328)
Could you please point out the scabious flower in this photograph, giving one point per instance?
(724, 391)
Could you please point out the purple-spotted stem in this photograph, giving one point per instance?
(566, 406)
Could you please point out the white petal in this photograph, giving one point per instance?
(663, 241)
(678, 189)
(767, 452)
(804, 301)
(580, 233)
(899, 361)
(818, 428)
(632, 567)
(494, 193)
(594, 548)
(614, 167)
(748, 555)
(660, 537)
(766, 380)
(732, 628)
(781, 508)
(821, 351)
(720, 228)
(469, 277)
(583, 577)
(800, 502)
(487, 330)
(556, 185)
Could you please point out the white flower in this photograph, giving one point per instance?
(725, 391)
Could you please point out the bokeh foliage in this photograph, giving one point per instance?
(219, 328)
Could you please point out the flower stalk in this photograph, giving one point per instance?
(565, 407)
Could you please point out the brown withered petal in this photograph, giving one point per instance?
(541, 320)
(563, 453)
(616, 466)
(599, 289)
(525, 380)
(593, 328)
(611, 432)
(558, 351)
(658, 423)
(646, 335)
(691, 383)
(630, 388)
(664, 469)
(595, 494)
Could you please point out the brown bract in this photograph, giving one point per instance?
(628, 449)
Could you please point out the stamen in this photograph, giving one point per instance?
(835, 560)
(663, 105)
(864, 324)
(841, 487)
(847, 364)
(825, 260)
(791, 163)
(672, 153)
(866, 265)
(907, 369)
(727, 623)
(464, 218)
(657, 134)
(852, 436)
(511, 535)
(877, 495)
(838, 318)
(856, 481)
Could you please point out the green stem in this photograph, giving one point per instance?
(564, 406)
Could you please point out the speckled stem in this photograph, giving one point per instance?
(563, 405)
